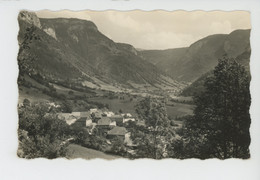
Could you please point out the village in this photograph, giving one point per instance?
(110, 125)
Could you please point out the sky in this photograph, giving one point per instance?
(159, 29)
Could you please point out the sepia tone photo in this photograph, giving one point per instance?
(134, 84)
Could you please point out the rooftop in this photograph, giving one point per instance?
(118, 131)
(104, 121)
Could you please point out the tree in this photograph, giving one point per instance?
(66, 106)
(118, 147)
(41, 135)
(221, 118)
(154, 114)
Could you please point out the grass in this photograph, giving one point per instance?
(115, 105)
(34, 95)
(179, 109)
(64, 90)
(77, 151)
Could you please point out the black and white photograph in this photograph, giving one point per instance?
(134, 84)
(130, 89)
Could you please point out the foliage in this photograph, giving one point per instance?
(153, 112)
(66, 106)
(220, 126)
(151, 140)
(118, 147)
(197, 86)
(41, 135)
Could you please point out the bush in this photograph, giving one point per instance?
(41, 135)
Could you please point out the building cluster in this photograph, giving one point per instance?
(111, 124)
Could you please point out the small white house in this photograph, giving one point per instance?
(88, 122)
(53, 104)
(113, 123)
(93, 110)
(71, 120)
(109, 113)
(77, 114)
(128, 115)
(128, 119)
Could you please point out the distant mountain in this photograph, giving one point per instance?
(198, 85)
(188, 64)
(164, 59)
(62, 49)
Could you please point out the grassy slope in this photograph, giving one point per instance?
(34, 95)
(86, 153)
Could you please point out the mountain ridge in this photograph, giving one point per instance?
(189, 63)
(74, 49)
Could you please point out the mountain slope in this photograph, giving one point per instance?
(198, 85)
(163, 59)
(61, 49)
(188, 64)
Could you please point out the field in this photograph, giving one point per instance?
(64, 90)
(115, 105)
(34, 95)
(178, 109)
(77, 151)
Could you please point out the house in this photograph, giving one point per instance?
(128, 119)
(105, 122)
(89, 122)
(109, 113)
(93, 110)
(113, 123)
(85, 114)
(118, 118)
(52, 104)
(117, 131)
(63, 116)
(76, 114)
(126, 115)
